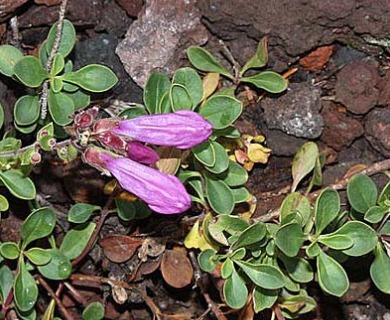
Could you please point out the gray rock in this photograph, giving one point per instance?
(158, 39)
(296, 113)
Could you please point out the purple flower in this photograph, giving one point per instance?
(162, 192)
(182, 129)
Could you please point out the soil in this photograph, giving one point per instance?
(339, 97)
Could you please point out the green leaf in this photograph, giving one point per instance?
(294, 305)
(26, 129)
(313, 250)
(27, 110)
(9, 250)
(39, 224)
(6, 282)
(221, 159)
(197, 185)
(227, 268)
(18, 184)
(207, 260)
(384, 196)
(264, 298)
(268, 80)
(298, 269)
(219, 196)
(295, 203)
(304, 162)
(61, 107)
(58, 64)
(180, 98)
(59, 267)
(263, 275)
(30, 72)
(1, 115)
(205, 153)
(327, 208)
(375, 214)
(260, 59)
(76, 239)
(81, 212)
(226, 223)
(362, 192)
(56, 84)
(126, 211)
(38, 256)
(94, 311)
(236, 175)
(93, 77)
(335, 241)
(165, 104)
(9, 56)
(241, 194)
(25, 289)
(363, 236)
(4, 205)
(253, 234)
(68, 38)
(133, 112)
(205, 61)
(156, 87)
(289, 238)
(380, 269)
(331, 275)
(235, 291)
(221, 111)
(190, 80)
(80, 99)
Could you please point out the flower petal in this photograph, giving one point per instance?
(182, 129)
(162, 192)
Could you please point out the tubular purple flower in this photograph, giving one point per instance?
(182, 129)
(162, 192)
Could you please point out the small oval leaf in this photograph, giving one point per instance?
(362, 192)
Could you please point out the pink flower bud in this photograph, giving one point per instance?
(162, 192)
(182, 129)
(140, 153)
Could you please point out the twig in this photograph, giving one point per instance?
(15, 31)
(371, 170)
(59, 303)
(229, 56)
(212, 306)
(73, 291)
(152, 306)
(49, 63)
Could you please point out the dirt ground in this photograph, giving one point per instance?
(339, 97)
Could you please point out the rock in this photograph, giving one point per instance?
(384, 90)
(378, 130)
(297, 112)
(295, 28)
(282, 144)
(355, 86)
(158, 38)
(8, 8)
(132, 8)
(101, 49)
(340, 129)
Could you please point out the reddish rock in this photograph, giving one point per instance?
(378, 130)
(8, 8)
(340, 129)
(132, 7)
(317, 59)
(384, 90)
(159, 37)
(356, 86)
(48, 2)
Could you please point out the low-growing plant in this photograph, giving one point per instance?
(178, 150)
(271, 264)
